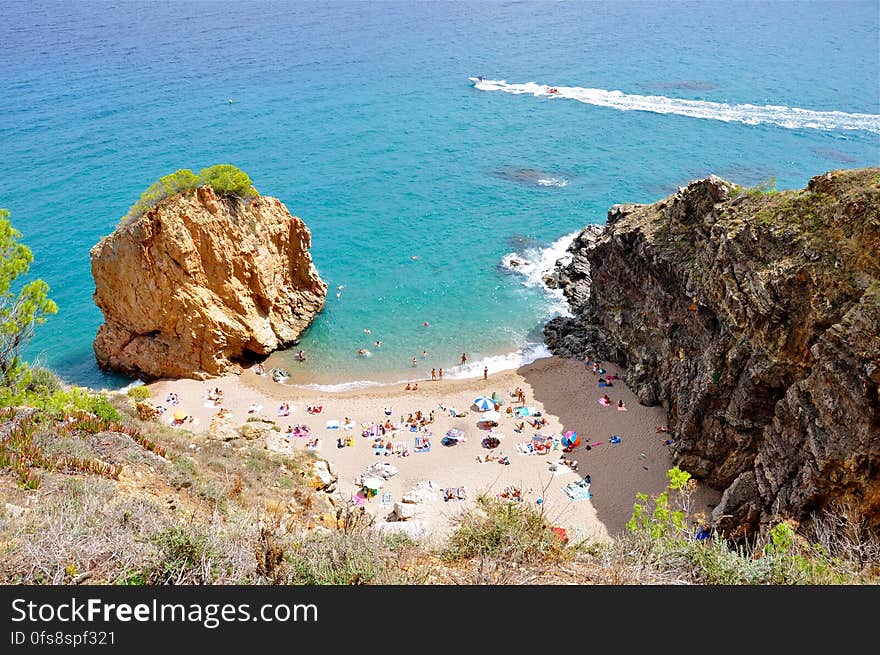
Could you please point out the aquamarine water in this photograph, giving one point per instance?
(360, 117)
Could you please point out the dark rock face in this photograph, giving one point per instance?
(754, 318)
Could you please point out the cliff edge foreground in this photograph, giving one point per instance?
(201, 282)
(753, 316)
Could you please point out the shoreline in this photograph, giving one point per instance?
(565, 392)
(508, 361)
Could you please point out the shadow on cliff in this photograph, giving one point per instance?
(569, 390)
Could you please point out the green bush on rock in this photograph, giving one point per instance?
(223, 178)
(181, 180)
(226, 178)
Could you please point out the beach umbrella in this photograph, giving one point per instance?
(491, 415)
(454, 433)
(373, 483)
(180, 415)
(484, 403)
(570, 439)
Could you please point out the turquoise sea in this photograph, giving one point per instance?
(416, 184)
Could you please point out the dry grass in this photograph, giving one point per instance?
(207, 513)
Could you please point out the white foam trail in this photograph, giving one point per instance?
(536, 263)
(553, 181)
(788, 117)
(496, 363)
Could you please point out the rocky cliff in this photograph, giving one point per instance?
(201, 282)
(754, 318)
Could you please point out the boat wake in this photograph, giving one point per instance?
(788, 117)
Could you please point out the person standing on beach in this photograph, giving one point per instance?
(463, 359)
(485, 372)
(441, 374)
(433, 374)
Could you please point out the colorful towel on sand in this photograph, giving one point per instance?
(526, 448)
(578, 490)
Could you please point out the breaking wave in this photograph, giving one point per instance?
(495, 363)
(533, 265)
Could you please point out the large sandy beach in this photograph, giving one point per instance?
(565, 392)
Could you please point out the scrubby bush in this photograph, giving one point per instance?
(42, 381)
(223, 178)
(505, 532)
(166, 186)
(333, 560)
(661, 540)
(139, 393)
(60, 402)
(226, 178)
(185, 557)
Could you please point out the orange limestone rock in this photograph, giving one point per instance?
(201, 282)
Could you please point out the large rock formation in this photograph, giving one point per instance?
(754, 318)
(201, 282)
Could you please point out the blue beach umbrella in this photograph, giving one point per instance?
(484, 403)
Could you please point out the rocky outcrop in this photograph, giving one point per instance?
(201, 282)
(754, 318)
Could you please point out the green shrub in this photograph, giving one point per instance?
(184, 558)
(140, 392)
(42, 381)
(337, 559)
(510, 532)
(223, 178)
(131, 579)
(655, 516)
(180, 180)
(61, 402)
(226, 178)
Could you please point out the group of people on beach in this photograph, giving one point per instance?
(215, 395)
